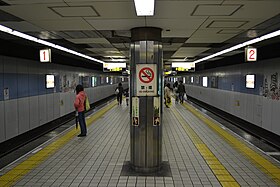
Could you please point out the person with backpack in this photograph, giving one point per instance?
(119, 93)
(79, 105)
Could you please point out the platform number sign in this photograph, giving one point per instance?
(45, 55)
(251, 54)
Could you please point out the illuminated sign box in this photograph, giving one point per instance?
(114, 67)
(49, 81)
(93, 81)
(45, 55)
(250, 81)
(205, 81)
(250, 54)
(183, 66)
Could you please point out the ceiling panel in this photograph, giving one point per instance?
(75, 11)
(215, 10)
(34, 11)
(116, 24)
(65, 24)
(189, 51)
(22, 26)
(89, 41)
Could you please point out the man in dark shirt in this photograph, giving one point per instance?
(182, 91)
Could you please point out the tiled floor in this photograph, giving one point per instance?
(97, 159)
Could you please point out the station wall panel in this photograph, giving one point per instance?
(62, 103)
(11, 118)
(56, 109)
(42, 109)
(23, 115)
(267, 114)
(1, 79)
(2, 122)
(275, 121)
(50, 107)
(34, 111)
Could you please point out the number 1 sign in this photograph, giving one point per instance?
(45, 55)
(251, 54)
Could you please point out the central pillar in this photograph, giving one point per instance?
(146, 91)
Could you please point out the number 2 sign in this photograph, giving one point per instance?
(251, 54)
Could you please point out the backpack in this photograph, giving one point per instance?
(117, 91)
(86, 104)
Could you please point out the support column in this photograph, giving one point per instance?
(146, 91)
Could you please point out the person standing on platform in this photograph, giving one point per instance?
(79, 105)
(127, 97)
(182, 91)
(167, 95)
(119, 93)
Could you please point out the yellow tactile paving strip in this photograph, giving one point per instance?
(14, 175)
(261, 162)
(222, 174)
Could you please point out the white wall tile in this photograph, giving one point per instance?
(62, 104)
(42, 109)
(56, 109)
(2, 122)
(11, 118)
(34, 111)
(23, 115)
(275, 121)
(50, 107)
(267, 114)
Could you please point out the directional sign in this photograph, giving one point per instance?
(146, 79)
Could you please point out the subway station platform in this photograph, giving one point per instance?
(200, 152)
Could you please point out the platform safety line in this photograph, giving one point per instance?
(19, 171)
(221, 173)
(260, 162)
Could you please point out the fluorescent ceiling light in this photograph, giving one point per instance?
(250, 42)
(43, 42)
(144, 7)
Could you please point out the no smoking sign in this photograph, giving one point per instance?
(146, 79)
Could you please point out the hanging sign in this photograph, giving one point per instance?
(146, 79)
(156, 115)
(250, 54)
(45, 55)
(135, 111)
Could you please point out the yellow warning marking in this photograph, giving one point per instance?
(261, 162)
(14, 175)
(223, 176)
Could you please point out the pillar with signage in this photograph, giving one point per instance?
(146, 91)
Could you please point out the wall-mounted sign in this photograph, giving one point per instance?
(146, 79)
(205, 81)
(49, 81)
(250, 54)
(93, 81)
(6, 94)
(135, 111)
(250, 81)
(156, 115)
(45, 55)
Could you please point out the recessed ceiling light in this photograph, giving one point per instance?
(144, 7)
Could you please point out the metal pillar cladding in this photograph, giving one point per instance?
(146, 91)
